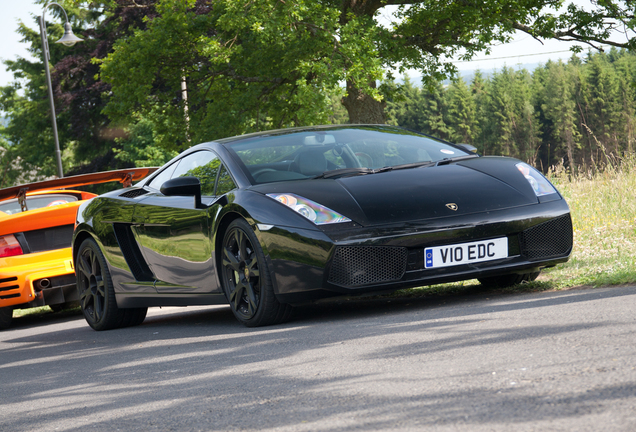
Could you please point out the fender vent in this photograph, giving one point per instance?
(365, 265)
(134, 193)
(131, 252)
(548, 239)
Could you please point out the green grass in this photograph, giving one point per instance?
(603, 206)
(44, 310)
(31, 311)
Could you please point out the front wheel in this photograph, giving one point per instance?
(246, 279)
(509, 280)
(97, 295)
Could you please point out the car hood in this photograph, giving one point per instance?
(410, 194)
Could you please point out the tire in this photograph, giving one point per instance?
(246, 280)
(97, 294)
(6, 316)
(509, 280)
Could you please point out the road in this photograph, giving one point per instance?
(552, 361)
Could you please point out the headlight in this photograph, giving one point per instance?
(318, 214)
(540, 184)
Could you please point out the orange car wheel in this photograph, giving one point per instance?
(6, 315)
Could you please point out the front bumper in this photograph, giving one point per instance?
(355, 260)
(37, 279)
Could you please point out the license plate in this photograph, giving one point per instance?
(466, 253)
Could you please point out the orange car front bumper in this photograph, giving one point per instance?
(37, 279)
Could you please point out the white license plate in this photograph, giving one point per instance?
(466, 253)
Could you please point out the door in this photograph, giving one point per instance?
(174, 236)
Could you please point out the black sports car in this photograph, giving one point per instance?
(268, 220)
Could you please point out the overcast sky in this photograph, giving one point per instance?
(523, 50)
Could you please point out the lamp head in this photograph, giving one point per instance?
(69, 39)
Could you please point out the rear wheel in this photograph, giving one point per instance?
(246, 279)
(97, 295)
(509, 280)
(6, 315)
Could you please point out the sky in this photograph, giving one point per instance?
(523, 50)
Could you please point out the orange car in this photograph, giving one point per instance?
(36, 227)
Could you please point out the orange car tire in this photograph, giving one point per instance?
(6, 315)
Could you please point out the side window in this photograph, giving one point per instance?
(163, 176)
(203, 165)
(225, 182)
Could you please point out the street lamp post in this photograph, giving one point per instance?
(69, 39)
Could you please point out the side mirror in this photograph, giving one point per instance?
(183, 186)
(468, 147)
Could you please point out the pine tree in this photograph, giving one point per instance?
(433, 111)
(559, 109)
(461, 112)
(603, 103)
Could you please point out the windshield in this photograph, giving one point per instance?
(308, 154)
(12, 206)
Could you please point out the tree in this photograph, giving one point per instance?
(88, 139)
(480, 94)
(560, 110)
(461, 112)
(604, 101)
(195, 70)
(405, 106)
(269, 63)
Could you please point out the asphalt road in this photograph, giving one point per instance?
(478, 362)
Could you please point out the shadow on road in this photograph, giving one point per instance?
(198, 368)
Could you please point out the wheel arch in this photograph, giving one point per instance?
(78, 238)
(219, 232)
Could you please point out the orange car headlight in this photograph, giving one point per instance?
(9, 246)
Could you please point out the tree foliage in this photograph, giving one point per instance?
(580, 113)
(170, 73)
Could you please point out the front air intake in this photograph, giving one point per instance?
(548, 239)
(367, 265)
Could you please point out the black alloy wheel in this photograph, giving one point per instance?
(246, 279)
(97, 295)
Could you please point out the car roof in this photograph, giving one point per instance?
(275, 132)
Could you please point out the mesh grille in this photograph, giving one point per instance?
(362, 265)
(548, 239)
(133, 193)
(49, 238)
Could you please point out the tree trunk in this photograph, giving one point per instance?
(362, 108)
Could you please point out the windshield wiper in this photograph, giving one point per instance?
(446, 161)
(413, 165)
(344, 172)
